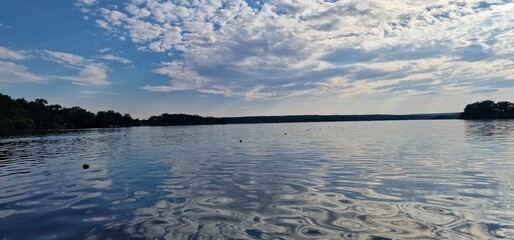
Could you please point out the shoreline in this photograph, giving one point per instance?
(264, 120)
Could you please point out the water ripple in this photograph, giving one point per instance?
(380, 180)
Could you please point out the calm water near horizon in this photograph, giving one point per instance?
(446, 179)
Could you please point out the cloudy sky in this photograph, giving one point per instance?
(266, 57)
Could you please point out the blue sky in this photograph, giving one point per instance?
(274, 57)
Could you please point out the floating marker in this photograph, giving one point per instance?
(85, 166)
(240, 140)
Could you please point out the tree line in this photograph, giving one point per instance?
(181, 119)
(488, 110)
(20, 114)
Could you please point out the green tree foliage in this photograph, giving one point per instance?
(12, 115)
(488, 109)
(77, 117)
(182, 119)
(20, 114)
(109, 119)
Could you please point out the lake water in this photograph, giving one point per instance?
(446, 179)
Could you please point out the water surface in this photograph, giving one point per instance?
(446, 179)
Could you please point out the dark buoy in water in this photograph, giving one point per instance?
(240, 140)
(285, 133)
(85, 166)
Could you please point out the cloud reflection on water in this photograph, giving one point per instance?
(412, 179)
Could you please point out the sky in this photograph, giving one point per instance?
(266, 57)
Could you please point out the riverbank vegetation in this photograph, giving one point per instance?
(488, 110)
(20, 114)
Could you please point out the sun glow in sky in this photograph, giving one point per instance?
(268, 57)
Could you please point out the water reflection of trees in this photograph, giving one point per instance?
(482, 128)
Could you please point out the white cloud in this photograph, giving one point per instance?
(103, 24)
(66, 58)
(90, 72)
(184, 78)
(111, 57)
(104, 50)
(15, 73)
(85, 5)
(9, 54)
(283, 48)
(92, 92)
(4, 26)
(88, 2)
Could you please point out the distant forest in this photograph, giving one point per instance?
(20, 114)
(488, 110)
